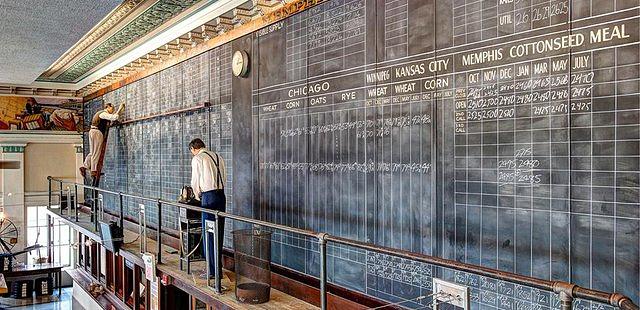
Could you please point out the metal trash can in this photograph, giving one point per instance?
(252, 265)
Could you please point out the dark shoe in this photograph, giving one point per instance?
(83, 172)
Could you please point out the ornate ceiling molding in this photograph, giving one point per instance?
(241, 20)
(20, 91)
(110, 21)
(188, 28)
(154, 16)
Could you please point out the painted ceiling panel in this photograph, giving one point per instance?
(35, 33)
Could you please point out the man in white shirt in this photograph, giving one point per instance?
(99, 124)
(208, 176)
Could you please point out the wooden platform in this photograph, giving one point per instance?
(192, 284)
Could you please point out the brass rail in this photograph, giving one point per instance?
(566, 291)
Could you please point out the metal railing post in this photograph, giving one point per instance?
(68, 200)
(565, 293)
(52, 232)
(49, 248)
(76, 243)
(95, 222)
(142, 228)
(566, 301)
(322, 243)
(76, 200)
(121, 210)
(217, 253)
(100, 207)
(94, 214)
(159, 232)
(207, 225)
(60, 196)
(49, 205)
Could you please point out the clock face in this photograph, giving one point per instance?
(239, 63)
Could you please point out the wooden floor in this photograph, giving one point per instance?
(193, 283)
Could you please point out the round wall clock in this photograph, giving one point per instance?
(240, 63)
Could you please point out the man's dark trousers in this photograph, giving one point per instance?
(213, 200)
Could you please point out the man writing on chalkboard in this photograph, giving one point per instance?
(99, 124)
(208, 176)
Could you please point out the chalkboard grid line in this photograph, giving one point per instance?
(531, 233)
(443, 52)
(591, 189)
(615, 173)
(550, 201)
(570, 158)
(395, 42)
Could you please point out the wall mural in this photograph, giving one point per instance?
(28, 113)
(498, 133)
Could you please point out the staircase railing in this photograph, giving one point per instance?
(566, 292)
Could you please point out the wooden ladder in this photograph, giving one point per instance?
(96, 180)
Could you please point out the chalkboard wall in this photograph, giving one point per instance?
(503, 133)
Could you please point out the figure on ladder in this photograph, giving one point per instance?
(97, 140)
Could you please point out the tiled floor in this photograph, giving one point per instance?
(63, 304)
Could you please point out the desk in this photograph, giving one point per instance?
(32, 270)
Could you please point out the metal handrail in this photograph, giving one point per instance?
(565, 290)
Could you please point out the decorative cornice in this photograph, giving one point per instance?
(151, 18)
(122, 11)
(236, 23)
(22, 137)
(8, 90)
(13, 149)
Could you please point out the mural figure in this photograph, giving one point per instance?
(26, 113)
